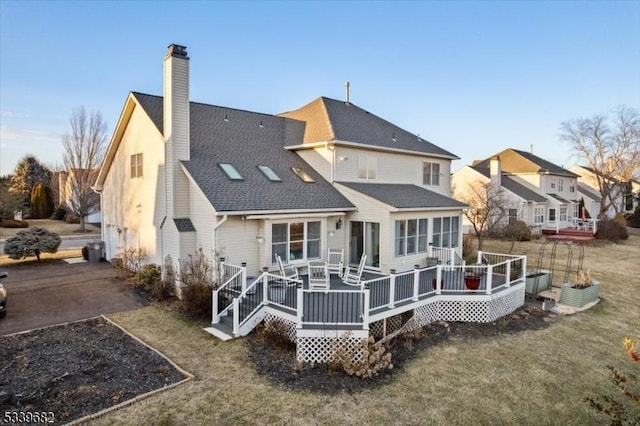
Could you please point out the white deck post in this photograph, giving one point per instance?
(265, 285)
(524, 268)
(365, 308)
(489, 279)
(452, 256)
(479, 257)
(221, 271)
(416, 282)
(439, 279)
(508, 273)
(299, 303)
(392, 287)
(236, 316)
(243, 275)
(215, 318)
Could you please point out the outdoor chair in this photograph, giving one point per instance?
(318, 276)
(335, 261)
(351, 275)
(289, 272)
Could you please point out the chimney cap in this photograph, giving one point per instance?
(177, 50)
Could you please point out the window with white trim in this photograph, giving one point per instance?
(576, 210)
(553, 183)
(367, 166)
(430, 174)
(446, 231)
(513, 216)
(572, 188)
(563, 213)
(410, 236)
(136, 165)
(295, 241)
(538, 215)
(560, 185)
(552, 215)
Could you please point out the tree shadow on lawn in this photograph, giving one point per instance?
(79, 369)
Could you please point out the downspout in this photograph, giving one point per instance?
(215, 228)
(333, 160)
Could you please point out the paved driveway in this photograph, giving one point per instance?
(48, 294)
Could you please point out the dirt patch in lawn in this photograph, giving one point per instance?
(281, 368)
(78, 369)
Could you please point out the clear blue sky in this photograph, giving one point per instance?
(471, 77)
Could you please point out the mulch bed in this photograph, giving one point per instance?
(280, 367)
(77, 369)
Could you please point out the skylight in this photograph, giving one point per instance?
(230, 171)
(306, 177)
(270, 174)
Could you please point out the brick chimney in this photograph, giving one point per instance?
(495, 171)
(176, 128)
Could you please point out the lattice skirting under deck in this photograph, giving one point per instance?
(289, 327)
(320, 346)
(323, 349)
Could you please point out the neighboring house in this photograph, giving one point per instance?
(623, 195)
(65, 192)
(534, 190)
(179, 176)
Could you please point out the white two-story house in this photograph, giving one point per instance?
(533, 190)
(180, 176)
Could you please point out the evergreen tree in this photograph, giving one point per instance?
(32, 242)
(41, 202)
(28, 173)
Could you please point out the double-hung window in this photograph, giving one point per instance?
(430, 174)
(295, 241)
(136, 165)
(367, 166)
(538, 215)
(446, 231)
(411, 236)
(563, 214)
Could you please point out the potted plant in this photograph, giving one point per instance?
(581, 291)
(472, 277)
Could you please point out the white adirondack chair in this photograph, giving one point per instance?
(290, 272)
(318, 276)
(352, 276)
(335, 261)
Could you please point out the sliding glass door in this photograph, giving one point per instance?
(364, 239)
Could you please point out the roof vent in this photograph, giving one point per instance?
(226, 117)
(261, 125)
(393, 137)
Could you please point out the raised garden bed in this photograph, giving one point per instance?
(578, 297)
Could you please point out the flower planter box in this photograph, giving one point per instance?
(578, 297)
(538, 281)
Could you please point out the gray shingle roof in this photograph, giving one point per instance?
(248, 140)
(515, 161)
(589, 192)
(329, 119)
(184, 225)
(512, 186)
(404, 196)
(559, 198)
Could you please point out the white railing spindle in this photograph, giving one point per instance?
(416, 282)
(392, 287)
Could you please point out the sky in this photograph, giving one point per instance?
(472, 77)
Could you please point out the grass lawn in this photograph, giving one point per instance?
(58, 226)
(535, 377)
(60, 254)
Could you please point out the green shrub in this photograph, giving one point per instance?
(196, 300)
(517, 231)
(32, 242)
(620, 219)
(612, 230)
(147, 276)
(12, 223)
(59, 214)
(163, 289)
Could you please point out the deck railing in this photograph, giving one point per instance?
(344, 307)
(234, 282)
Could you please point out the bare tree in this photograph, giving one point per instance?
(487, 207)
(610, 147)
(83, 153)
